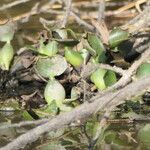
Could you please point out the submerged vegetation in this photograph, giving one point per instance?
(82, 87)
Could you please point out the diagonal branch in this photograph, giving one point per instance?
(17, 2)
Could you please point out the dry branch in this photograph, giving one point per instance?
(17, 2)
(24, 123)
(67, 13)
(139, 22)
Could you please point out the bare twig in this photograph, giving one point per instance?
(24, 123)
(47, 23)
(82, 22)
(131, 5)
(76, 17)
(17, 2)
(92, 67)
(94, 4)
(141, 42)
(112, 68)
(139, 22)
(101, 11)
(102, 30)
(130, 120)
(34, 10)
(67, 13)
(43, 8)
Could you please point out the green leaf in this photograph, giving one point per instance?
(110, 78)
(51, 109)
(65, 36)
(89, 128)
(144, 135)
(101, 58)
(50, 67)
(6, 56)
(49, 49)
(88, 47)
(97, 78)
(143, 70)
(96, 44)
(54, 91)
(47, 110)
(7, 31)
(26, 115)
(117, 36)
(73, 57)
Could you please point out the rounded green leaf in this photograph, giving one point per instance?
(143, 70)
(117, 36)
(97, 78)
(74, 57)
(110, 78)
(96, 43)
(50, 49)
(50, 67)
(54, 91)
(6, 56)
